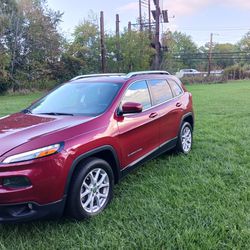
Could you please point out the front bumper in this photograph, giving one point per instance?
(43, 198)
(29, 211)
(47, 177)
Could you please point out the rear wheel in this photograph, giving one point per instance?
(91, 189)
(185, 138)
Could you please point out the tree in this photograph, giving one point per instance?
(7, 10)
(30, 39)
(244, 43)
(223, 55)
(85, 47)
(42, 42)
(180, 51)
(244, 47)
(135, 52)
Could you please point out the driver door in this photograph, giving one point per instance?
(138, 133)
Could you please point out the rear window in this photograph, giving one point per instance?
(161, 91)
(175, 87)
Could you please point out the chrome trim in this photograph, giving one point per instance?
(136, 151)
(150, 72)
(147, 154)
(97, 75)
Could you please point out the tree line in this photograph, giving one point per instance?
(34, 54)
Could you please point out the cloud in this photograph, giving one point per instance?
(176, 7)
(242, 4)
(128, 7)
(184, 7)
(188, 7)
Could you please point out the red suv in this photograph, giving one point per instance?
(68, 149)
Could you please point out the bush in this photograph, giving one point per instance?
(4, 86)
(246, 71)
(36, 85)
(237, 72)
(204, 79)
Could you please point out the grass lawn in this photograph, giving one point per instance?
(199, 201)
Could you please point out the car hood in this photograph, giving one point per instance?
(20, 128)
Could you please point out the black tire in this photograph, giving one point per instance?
(180, 146)
(74, 203)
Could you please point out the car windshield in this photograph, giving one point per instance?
(81, 98)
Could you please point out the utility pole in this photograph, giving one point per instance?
(149, 20)
(157, 34)
(140, 16)
(117, 26)
(103, 50)
(210, 54)
(118, 47)
(129, 27)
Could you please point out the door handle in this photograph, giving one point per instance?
(153, 115)
(178, 104)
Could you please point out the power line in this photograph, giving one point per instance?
(214, 28)
(235, 55)
(216, 58)
(233, 52)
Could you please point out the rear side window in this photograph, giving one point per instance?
(138, 92)
(175, 87)
(161, 91)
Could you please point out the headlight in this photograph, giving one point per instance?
(34, 154)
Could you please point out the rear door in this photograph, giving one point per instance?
(168, 112)
(138, 133)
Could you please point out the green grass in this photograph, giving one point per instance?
(199, 201)
(14, 103)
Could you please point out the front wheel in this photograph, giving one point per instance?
(185, 138)
(91, 189)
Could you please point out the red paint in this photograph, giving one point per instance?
(132, 136)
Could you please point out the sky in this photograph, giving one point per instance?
(228, 20)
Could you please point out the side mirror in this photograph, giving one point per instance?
(131, 107)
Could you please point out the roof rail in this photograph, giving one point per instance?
(150, 72)
(97, 75)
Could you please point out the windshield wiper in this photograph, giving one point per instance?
(55, 113)
(26, 111)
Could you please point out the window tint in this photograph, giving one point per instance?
(175, 87)
(138, 92)
(161, 91)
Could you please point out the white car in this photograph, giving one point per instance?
(187, 72)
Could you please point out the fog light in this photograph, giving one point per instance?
(16, 182)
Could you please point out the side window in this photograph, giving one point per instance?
(175, 87)
(138, 92)
(161, 91)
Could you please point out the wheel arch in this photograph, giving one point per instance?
(189, 117)
(106, 153)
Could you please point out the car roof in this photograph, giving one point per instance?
(119, 77)
(129, 75)
(105, 79)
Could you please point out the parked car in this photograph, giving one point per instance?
(217, 72)
(188, 72)
(67, 150)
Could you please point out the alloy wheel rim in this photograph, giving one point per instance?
(186, 139)
(94, 190)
